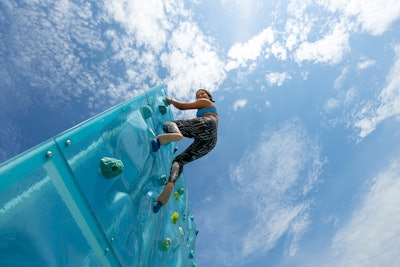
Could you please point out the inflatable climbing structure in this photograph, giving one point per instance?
(84, 197)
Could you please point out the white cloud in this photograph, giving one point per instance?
(146, 21)
(279, 51)
(371, 236)
(277, 78)
(239, 104)
(192, 62)
(156, 41)
(239, 54)
(276, 176)
(366, 63)
(330, 49)
(387, 105)
(332, 104)
(340, 79)
(374, 16)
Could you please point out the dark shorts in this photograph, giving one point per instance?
(204, 132)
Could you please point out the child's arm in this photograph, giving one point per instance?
(198, 104)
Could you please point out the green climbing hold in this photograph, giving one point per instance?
(166, 244)
(181, 191)
(176, 195)
(146, 112)
(181, 231)
(111, 167)
(175, 217)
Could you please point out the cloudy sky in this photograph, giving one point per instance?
(306, 171)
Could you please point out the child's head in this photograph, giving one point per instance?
(207, 92)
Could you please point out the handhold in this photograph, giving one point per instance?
(166, 102)
(175, 217)
(176, 195)
(146, 112)
(111, 167)
(166, 244)
(181, 191)
(162, 109)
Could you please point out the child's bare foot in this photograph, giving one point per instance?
(164, 197)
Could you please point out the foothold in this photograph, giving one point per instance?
(146, 112)
(162, 180)
(192, 217)
(162, 109)
(111, 167)
(49, 154)
(181, 191)
(181, 231)
(191, 254)
(112, 239)
(68, 142)
(148, 195)
(193, 264)
(176, 195)
(175, 217)
(166, 244)
(107, 250)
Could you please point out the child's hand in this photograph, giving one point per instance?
(169, 100)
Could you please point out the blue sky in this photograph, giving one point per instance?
(306, 171)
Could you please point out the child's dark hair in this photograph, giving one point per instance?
(208, 93)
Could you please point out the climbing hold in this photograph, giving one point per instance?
(155, 144)
(166, 102)
(191, 254)
(111, 167)
(176, 195)
(174, 217)
(161, 180)
(181, 191)
(181, 231)
(162, 109)
(166, 244)
(146, 112)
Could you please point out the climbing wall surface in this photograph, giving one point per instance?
(84, 198)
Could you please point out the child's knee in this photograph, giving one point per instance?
(171, 127)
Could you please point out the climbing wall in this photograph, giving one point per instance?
(84, 198)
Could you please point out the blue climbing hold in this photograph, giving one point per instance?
(155, 144)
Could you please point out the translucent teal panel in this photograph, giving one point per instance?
(43, 220)
(61, 210)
